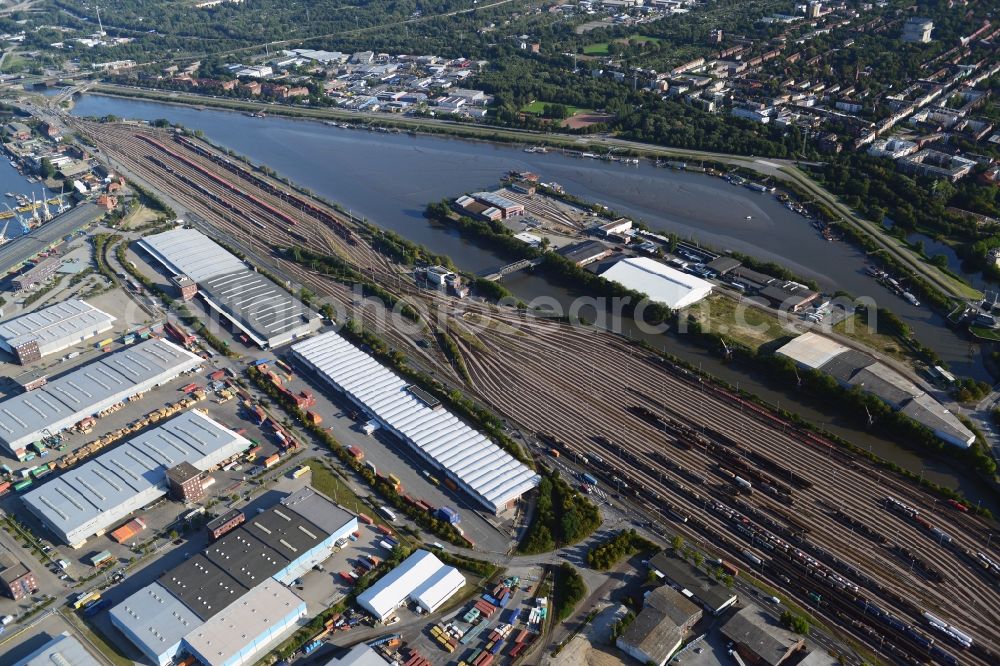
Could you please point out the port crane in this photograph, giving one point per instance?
(25, 229)
(46, 213)
(34, 211)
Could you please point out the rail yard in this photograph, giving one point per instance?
(914, 577)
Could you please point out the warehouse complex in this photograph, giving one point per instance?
(660, 282)
(254, 304)
(63, 402)
(421, 578)
(228, 603)
(49, 330)
(63, 650)
(87, 500)
(466, 457)
(856, 369)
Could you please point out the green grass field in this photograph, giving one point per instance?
(537, 107)
(601, 48)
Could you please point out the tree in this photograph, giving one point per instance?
(794, 622)
(173, 535)
(677, 543)
(45, 169)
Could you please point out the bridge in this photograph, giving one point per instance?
(512, 267)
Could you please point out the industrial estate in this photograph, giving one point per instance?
(243, 423)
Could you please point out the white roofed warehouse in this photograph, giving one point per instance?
(467, 457)
(62, 402)
(238, 634)
(63, 650)
(87, 500)
(421, 577)
(49, 330)
(659, 282)
(255, 305)
(155, 621)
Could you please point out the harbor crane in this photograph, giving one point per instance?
(46, 213)
(25, 229)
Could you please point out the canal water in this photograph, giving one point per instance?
(389, 178)
(13, 182)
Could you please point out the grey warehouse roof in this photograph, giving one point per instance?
(656, 630)
(317, 509)
(710, 593)
(487, 471)
(156, 617)
(48, 326)
(27, 417)
(262, 309)
(63, 650)
(103, 489)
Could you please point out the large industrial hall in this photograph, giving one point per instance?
(484, 470)
(62, 402)
(37, 334)
(265, 312)
(89, 499)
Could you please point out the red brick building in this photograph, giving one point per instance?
(16, 580)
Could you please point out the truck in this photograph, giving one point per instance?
(302, 470)
(356, 453)
(83, 598)
(449, 514)
(94, 607)
(370, 427)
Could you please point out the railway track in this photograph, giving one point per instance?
(588, 389)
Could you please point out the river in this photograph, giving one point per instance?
(389, 178)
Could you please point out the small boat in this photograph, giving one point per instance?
(10, 194)
(749, 217)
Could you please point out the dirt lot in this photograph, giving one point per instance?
(587, 119)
